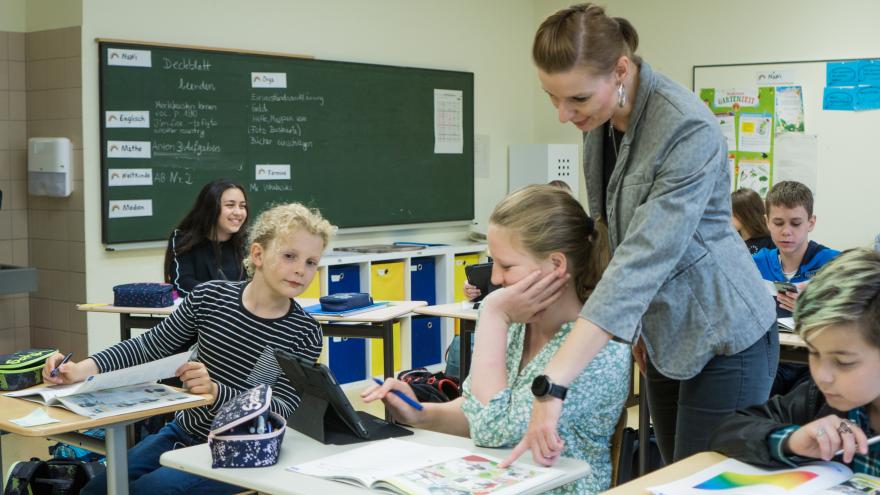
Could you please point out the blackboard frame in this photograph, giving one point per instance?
(459, 211)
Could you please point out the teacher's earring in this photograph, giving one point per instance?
(621, 95)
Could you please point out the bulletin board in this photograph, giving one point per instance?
(846, 175)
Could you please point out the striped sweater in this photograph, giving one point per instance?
(236, 346)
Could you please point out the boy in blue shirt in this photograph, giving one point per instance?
(795, 259)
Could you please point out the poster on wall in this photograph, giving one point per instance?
(747, 117)
(789, 109)
(852, 85)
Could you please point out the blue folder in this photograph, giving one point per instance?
(315, 309)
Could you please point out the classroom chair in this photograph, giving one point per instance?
(617, 446)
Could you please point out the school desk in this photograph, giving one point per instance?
(375, 324)
(69, 424)
(668, 474)
(298, 448)
(792, 348)
(464, 312)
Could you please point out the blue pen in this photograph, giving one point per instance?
(55, 370)
(402, 396)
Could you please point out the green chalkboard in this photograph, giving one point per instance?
(370, 145)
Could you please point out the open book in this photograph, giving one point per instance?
(116, 392)
(733, 477)
(410, 468)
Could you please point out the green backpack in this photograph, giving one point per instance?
(52, 477)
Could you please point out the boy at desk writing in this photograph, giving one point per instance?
(838, 315)
(795, 259)
(237, 327)
(548, 255)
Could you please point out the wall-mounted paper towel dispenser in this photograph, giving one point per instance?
(50, 167)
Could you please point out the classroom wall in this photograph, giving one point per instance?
(13, 15)
(483, 37)
(675, 35)
(14, 308)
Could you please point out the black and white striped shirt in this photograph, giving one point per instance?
(236, 346)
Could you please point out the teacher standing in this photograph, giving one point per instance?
(681, 287)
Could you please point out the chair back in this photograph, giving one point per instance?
(617, 447)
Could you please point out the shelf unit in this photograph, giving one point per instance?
(436, 271)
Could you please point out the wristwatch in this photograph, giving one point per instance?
(543, 387)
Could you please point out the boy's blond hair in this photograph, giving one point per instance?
(789, 194)
(845, 291)
(282, 220)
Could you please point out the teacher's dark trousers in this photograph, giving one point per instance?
(685, 412)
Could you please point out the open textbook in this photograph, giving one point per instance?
(115, 392)
(409, 468)
(732, 477)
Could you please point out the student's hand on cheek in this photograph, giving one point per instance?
(195, 378)
(519, 302)
(823, 437)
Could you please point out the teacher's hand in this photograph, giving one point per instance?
(522, 301)
(640, 355)
(541, 437)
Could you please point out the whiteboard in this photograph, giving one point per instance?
(847, 194)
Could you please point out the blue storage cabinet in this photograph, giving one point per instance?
(348, 356)
(426, 334)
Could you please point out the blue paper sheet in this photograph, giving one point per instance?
(839, 98)
(315, 309)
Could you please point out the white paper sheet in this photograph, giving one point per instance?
(37, 417)
(796, 157)
(143, 373)
(448, 116)
(755, 131)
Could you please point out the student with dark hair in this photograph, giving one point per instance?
(749, 220)
(209, 242)
(656, 170)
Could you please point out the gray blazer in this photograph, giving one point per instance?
(679, 275)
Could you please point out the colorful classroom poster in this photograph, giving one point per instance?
(789, 109)
(755, 132)
(750, 137)
(754, 174)
(728, 128)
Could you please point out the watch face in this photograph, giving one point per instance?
(540, 386)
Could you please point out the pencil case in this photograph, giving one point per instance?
(143, 295)
(245, 433)
(23, 369)
(344, 301)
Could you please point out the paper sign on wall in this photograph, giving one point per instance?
(268, 80)
(272, 172)
(128, 149)
(130, 208)
(122, 118)
(129, 58)
(129, 177)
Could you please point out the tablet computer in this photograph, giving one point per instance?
(325, 413)
(480, 276)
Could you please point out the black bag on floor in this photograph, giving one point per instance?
(52, 477)
(628, 468)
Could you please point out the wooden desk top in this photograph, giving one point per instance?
(461, 310)
(394, 310)
(668, 474)
(14, 408)
(791, 339)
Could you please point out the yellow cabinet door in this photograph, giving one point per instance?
(461, 261)
(386, 284)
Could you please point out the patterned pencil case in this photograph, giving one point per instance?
(245, 433)
(23, 369)
(344, 301)
(143, 295)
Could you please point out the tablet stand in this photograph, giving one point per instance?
(316, 418)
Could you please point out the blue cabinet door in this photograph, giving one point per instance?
(348, 356)
(426, 341)
(422, 280)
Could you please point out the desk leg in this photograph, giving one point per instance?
(117, 459)
(124, 326)
(644, 425)
(464, 352)
(388, 355)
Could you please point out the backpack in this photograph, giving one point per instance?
(52, 477)
(431, 387)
